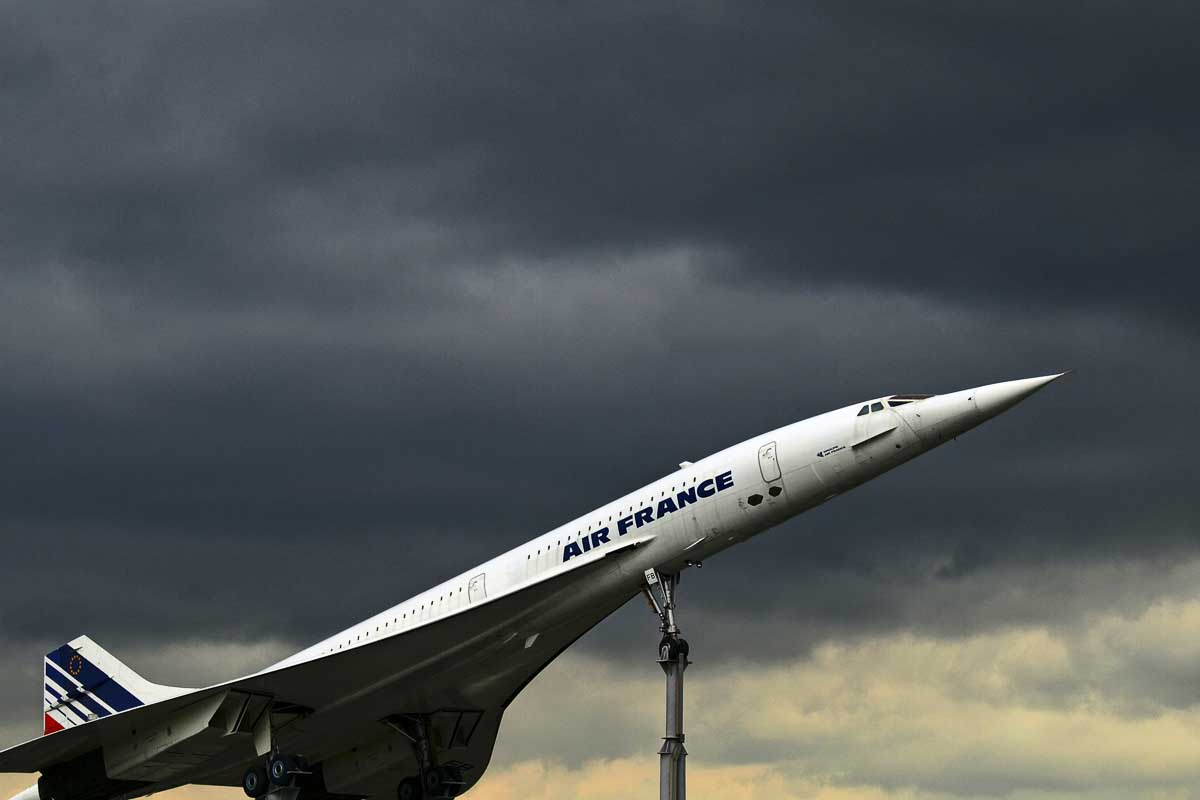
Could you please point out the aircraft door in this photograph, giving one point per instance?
(477, 588)
(768, 462)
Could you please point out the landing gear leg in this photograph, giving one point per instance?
(432, 782)
(673, 658)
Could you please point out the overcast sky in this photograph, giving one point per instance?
(308, 307)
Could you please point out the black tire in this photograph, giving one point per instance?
(280, 769)
(434, 783)
(452, 782)
(409, 789)
(254, 782)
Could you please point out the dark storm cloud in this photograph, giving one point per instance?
(1014, 150)
(349, 298)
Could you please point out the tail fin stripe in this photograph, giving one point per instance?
(51, 686)
(76, 710)
(55, 694)
(70, 714)
(87, 677)
(62, 686)
(87, 707)
(83, 706)
(49, 702)
(56, 673)
(116, 696)
(92, 702)
(65, 683)
(96, 708)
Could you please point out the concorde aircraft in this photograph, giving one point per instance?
(408, 703)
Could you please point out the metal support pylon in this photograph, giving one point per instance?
(673, 658)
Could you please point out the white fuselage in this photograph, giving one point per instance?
(706, 506)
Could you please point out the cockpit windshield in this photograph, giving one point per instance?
(894, 401)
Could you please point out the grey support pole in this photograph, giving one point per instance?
(673, 658)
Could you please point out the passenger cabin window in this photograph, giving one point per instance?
(877, 406)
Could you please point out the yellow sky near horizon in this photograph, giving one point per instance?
(1021, 713)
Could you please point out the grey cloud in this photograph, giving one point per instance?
(1017, 152)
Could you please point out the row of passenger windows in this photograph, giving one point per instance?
(580, 534)
(432, 605)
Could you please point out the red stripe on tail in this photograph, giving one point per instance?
(52, 726)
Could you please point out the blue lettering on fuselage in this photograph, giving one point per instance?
(647, 515)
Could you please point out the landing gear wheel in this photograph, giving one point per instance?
(452, 781)
(409, 789)
(434, 782)
(280, 769)
(254, 782)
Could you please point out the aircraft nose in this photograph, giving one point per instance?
(995, 398)
(945, 416)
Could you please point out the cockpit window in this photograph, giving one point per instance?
(863, 411)
(877, 406)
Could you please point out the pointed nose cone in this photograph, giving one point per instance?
(998, 397)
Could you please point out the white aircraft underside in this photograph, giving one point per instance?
(444, 665)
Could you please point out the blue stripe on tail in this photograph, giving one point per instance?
(92, 679)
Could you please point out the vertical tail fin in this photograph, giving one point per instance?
(83, 682)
